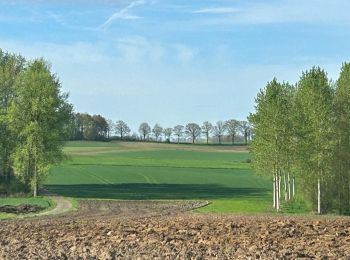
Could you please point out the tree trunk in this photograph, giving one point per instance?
(207, 138)
(178, 139)
(288, 181)
(285, 187)
(293, 187)
(318, 196)
(274, 190)
(279, 187)
(233, 139)
(35, 190)
(278, 195)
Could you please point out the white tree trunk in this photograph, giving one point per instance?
(288, 181)
(293, 193)
(285, 187)
(278, 191)
(318, 196)
(274, 191)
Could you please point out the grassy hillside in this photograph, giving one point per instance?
(121, 170)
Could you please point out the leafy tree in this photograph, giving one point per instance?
(313, 119)
(144, 130)
(245, 129)
(100, 125)
(207, 127)
(193, 130)
(179, 131)
(39, 114)
(110, 127)
(219, 130)
(157, 131)
(122, 129)
(10, 68)
(232, 127)
(341, 180)
(168, 132)
(271, 122)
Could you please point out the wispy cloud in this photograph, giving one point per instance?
(123, 14)
(285, 11)
(217, 10)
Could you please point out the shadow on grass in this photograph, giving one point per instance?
(145, 191)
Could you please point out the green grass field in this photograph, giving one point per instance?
(149, 171)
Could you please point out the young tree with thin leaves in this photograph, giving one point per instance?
(244, 128)
(168, 132)
(122, 129)
(207, 127)
(39, 114)
(219, 130)
(144, 130)
(341, 164)
(232, 127)
(179, 131)
(313, 120)
(157, 131)
(271, 122)
(193, 130)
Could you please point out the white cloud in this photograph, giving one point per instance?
(123, 14)
(217, 10)
(285, 11)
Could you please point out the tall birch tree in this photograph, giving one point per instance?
(341, 180)
(313, 120)
(270, 122)
(39, 114)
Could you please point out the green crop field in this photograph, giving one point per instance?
(150, 171)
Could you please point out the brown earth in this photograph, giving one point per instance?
(158, 230)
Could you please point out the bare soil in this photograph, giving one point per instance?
(159, 230)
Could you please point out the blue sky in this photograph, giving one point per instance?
(176, 62)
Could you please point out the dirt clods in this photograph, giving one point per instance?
(158, 230)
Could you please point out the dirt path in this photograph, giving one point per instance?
(63, 205)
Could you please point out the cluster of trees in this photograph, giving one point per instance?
(97, 128)
(192, 130)
(302, 132)
(89, 127)
(34, 120)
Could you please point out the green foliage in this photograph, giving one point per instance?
(10, 67)
(272, 128)
(87, 127)
(341, 180)
(314, 132)
(304, 130)
(35, 117)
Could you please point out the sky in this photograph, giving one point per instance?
(175, 62)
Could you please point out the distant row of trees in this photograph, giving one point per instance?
(302, 132)
(97, 128)
(34, 121)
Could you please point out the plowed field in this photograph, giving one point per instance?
(163, 230)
